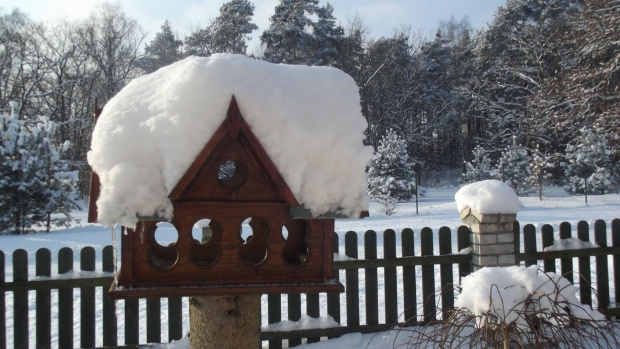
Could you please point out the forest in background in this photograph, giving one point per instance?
(536, 94)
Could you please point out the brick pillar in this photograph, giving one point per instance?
(492, 238)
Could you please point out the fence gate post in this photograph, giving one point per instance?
(491, 238)
(489, 209)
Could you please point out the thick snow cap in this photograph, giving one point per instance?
(308, 119)
(488, 197)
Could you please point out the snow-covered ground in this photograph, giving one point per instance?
(553, 210)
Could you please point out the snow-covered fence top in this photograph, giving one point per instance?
(488, 197)
(308, 119)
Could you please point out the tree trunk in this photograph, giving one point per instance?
(224, 322)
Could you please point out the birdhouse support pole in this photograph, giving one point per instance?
(224, 322)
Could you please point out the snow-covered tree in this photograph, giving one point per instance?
(588, 163)
(390, 174)
(540, 166)
(35, 182)
(514, 168)
(328, 38)
(163, 50)
(289, 38)
(479, 168)
(233, 26)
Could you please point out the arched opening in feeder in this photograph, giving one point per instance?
(295, 251)
(205, 250)
(254, 250)
(163, 254)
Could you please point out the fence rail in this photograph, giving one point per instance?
(406, 290)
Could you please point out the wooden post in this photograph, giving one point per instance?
(224, 322)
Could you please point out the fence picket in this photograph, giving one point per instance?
(333, 298)
(109, 306)
(87, 301)
(132, 321)
(615, 241)
(294, 314)
(409, 291)
(529, 242)
(274, 315)
(428, 275)
(445, 271)
(463, 241)
(352, 281)
(43, 260)
(389, 273)
(153, 320)
(20, 300)
(547, 240)
(566, 264)
(585, 276)
(313, 309)
(65, 301)
(602, 265)
(371, 279)
(175, 318)
(2, 304)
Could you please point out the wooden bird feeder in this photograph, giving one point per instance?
(231, 180)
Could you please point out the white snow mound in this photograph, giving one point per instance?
(308, 119)
(488, 197)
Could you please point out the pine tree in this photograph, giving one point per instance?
(390, 174)
(588, 163)
(328, 38)
(163, 50)
(479, 168)
(36, 182)
(232, 28)
(540, 166)
(288, 39)
(514, 168)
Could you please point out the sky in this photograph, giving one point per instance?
(381, 16)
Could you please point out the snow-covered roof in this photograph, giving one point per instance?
(308, 120)
(488, 197)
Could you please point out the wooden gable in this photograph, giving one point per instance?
(255, 176)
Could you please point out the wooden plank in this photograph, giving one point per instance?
(87, 301)
(428, 276)
(585, 273)
(57, 284)
(409, 291)
(313, 309)
(110, 336)
(65, 301)
(566, 264)
(153, 320)
(352, 281)
(446, 272)
(333, 298)
(547, 240)
(274, 315)
(175, 318)
(371, 279)
(294, 314)
(43, 260)
(20, 300)
(132, 321)
(584, 252)
(2, 303)
(402, 262)
(529, 242)
(602, 265)
(463, 241)
(390, 285)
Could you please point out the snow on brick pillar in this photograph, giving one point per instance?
(489, 208)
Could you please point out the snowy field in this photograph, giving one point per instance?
(553, 210)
